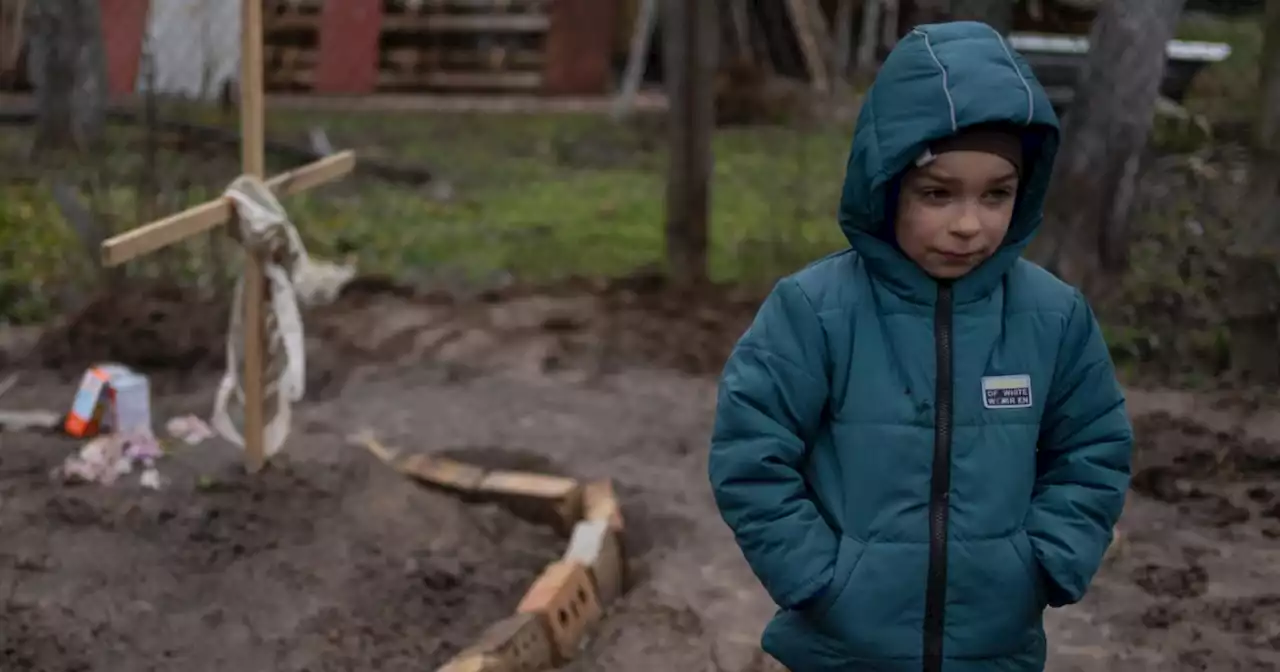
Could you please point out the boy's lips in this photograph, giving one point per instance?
(957, 256)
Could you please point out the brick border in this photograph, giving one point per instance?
(571, 595)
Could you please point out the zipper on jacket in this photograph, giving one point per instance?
(935, 601)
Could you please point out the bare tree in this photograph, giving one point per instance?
(1254, 279)
(690, 35)
(1104, 135)
(1268, 125)
(917, 12)
(997, 13)
(68, 69)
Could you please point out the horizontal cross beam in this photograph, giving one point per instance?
(198, 219)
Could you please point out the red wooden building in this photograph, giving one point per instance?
(553, 47)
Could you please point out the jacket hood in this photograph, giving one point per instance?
(938, 80)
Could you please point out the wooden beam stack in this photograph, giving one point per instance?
(463, 45)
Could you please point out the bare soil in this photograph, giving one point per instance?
(327, 561)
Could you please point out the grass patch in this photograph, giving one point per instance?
(541, 197)
(1226, 92)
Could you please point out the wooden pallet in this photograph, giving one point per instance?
(291, 32)
(444, 46)
(278, 15)
(463, 45)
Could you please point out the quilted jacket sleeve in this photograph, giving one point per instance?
(1084, 460)
(772, 396)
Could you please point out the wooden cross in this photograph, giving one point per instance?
(206, 216)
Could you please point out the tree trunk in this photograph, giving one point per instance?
(1268, 123)
(690, 36)
(1254, 278)
(68, 70)
(919, 12)
(996, 13)
(1104, 135)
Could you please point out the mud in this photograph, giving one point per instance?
(323, 562)
(1193, 583)
(327, 561)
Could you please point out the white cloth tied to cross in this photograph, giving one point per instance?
(290, 275)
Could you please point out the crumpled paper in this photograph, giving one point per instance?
(106, 458)
(189, 429)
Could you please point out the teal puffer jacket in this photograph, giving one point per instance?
(915, 469)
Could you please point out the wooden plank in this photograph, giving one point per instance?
(312, 175)
(462, 80)
(192, 221)
(349, 34)
(253, 162)
(496, 5)
(468, 23)
(483, 80)
(173, 229)
(413, 58)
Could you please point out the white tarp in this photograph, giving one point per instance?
(193, 47)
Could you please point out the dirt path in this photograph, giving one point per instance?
(336, 563)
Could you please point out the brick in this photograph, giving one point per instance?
(443, 472)
(601, 503)
(564, 597)
(473, 662)
(595, 545)
(549, 499)
(522, 643)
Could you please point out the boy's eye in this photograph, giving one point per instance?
(934, 194)
(998, 195)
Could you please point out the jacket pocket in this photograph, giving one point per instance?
(994, 599)
(876, 614)
(1026, 553)
(848, 553)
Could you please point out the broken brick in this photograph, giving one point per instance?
(550, 499)
(565, 598)
(595, 545)
(522, 643)
(600, 502)
(443, 472)
(473, 662)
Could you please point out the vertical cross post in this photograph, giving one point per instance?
(253, 160)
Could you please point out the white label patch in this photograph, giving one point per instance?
(1006, 391)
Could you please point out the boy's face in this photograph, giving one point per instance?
(953, 213)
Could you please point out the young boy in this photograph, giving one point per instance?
(920, 442)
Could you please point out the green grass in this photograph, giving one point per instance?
(542, 197)
(1227, 91)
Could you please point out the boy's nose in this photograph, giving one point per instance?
(967, 225)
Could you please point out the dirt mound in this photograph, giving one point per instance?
(640, 320)
(325, 563)
(689, 330)
(148, 326)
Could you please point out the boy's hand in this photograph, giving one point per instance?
(1083, 465)
(772, 394)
